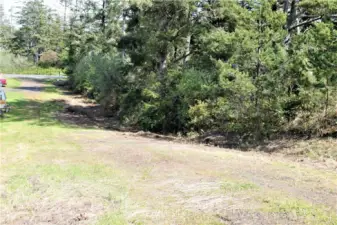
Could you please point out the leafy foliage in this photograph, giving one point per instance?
(49, 59)
(39, 31)
(252, 68)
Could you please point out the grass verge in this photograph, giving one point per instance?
(32, 70)
(13, 83)
(300, 210)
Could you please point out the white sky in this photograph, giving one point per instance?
(54, 4)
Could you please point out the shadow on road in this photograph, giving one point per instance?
(36, 112)
(48, 89)
(48, 113)
(58, 112)
(61, 113)
(37, 85)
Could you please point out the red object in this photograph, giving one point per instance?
(3, 81)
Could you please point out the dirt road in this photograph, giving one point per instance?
(74, 175)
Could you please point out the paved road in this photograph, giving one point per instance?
(20, 76)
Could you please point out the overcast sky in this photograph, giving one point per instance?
(54, 4)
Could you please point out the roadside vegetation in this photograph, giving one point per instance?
(10, 64)
(247, 70)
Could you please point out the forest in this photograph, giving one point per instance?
(255, 69)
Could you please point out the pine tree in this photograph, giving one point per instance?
(39, 30)
(248, 67)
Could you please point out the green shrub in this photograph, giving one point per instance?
(11, 64)
(101, 76)
(49, 59)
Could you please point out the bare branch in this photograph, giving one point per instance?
(304, 23)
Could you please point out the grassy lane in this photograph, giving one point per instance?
(54, 173)
(44, 175)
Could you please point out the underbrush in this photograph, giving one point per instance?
(10, 64)
(33, 70)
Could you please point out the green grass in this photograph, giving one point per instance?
(13, 83)
(14, 96)
(37, 111)
(54, 176)
(309, 213)
(234, 186)
(41, 159)
(68, 171)
(32, 70)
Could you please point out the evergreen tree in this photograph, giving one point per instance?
(253, 68)
(39, 30)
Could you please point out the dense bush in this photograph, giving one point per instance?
(12, 64)
(103, 77)
(249, 69)
(9, 62)
(49, 59)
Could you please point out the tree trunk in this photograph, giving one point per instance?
(285, 6)
(103, 15)
(123, 29)
(326, 99)
(36, 58)
(163, 54)
(188, 49)
(258, 131)
(162, 65)
(65, 16)
(291, 19)
(188, 38)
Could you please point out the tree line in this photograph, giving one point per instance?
(253, 68)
